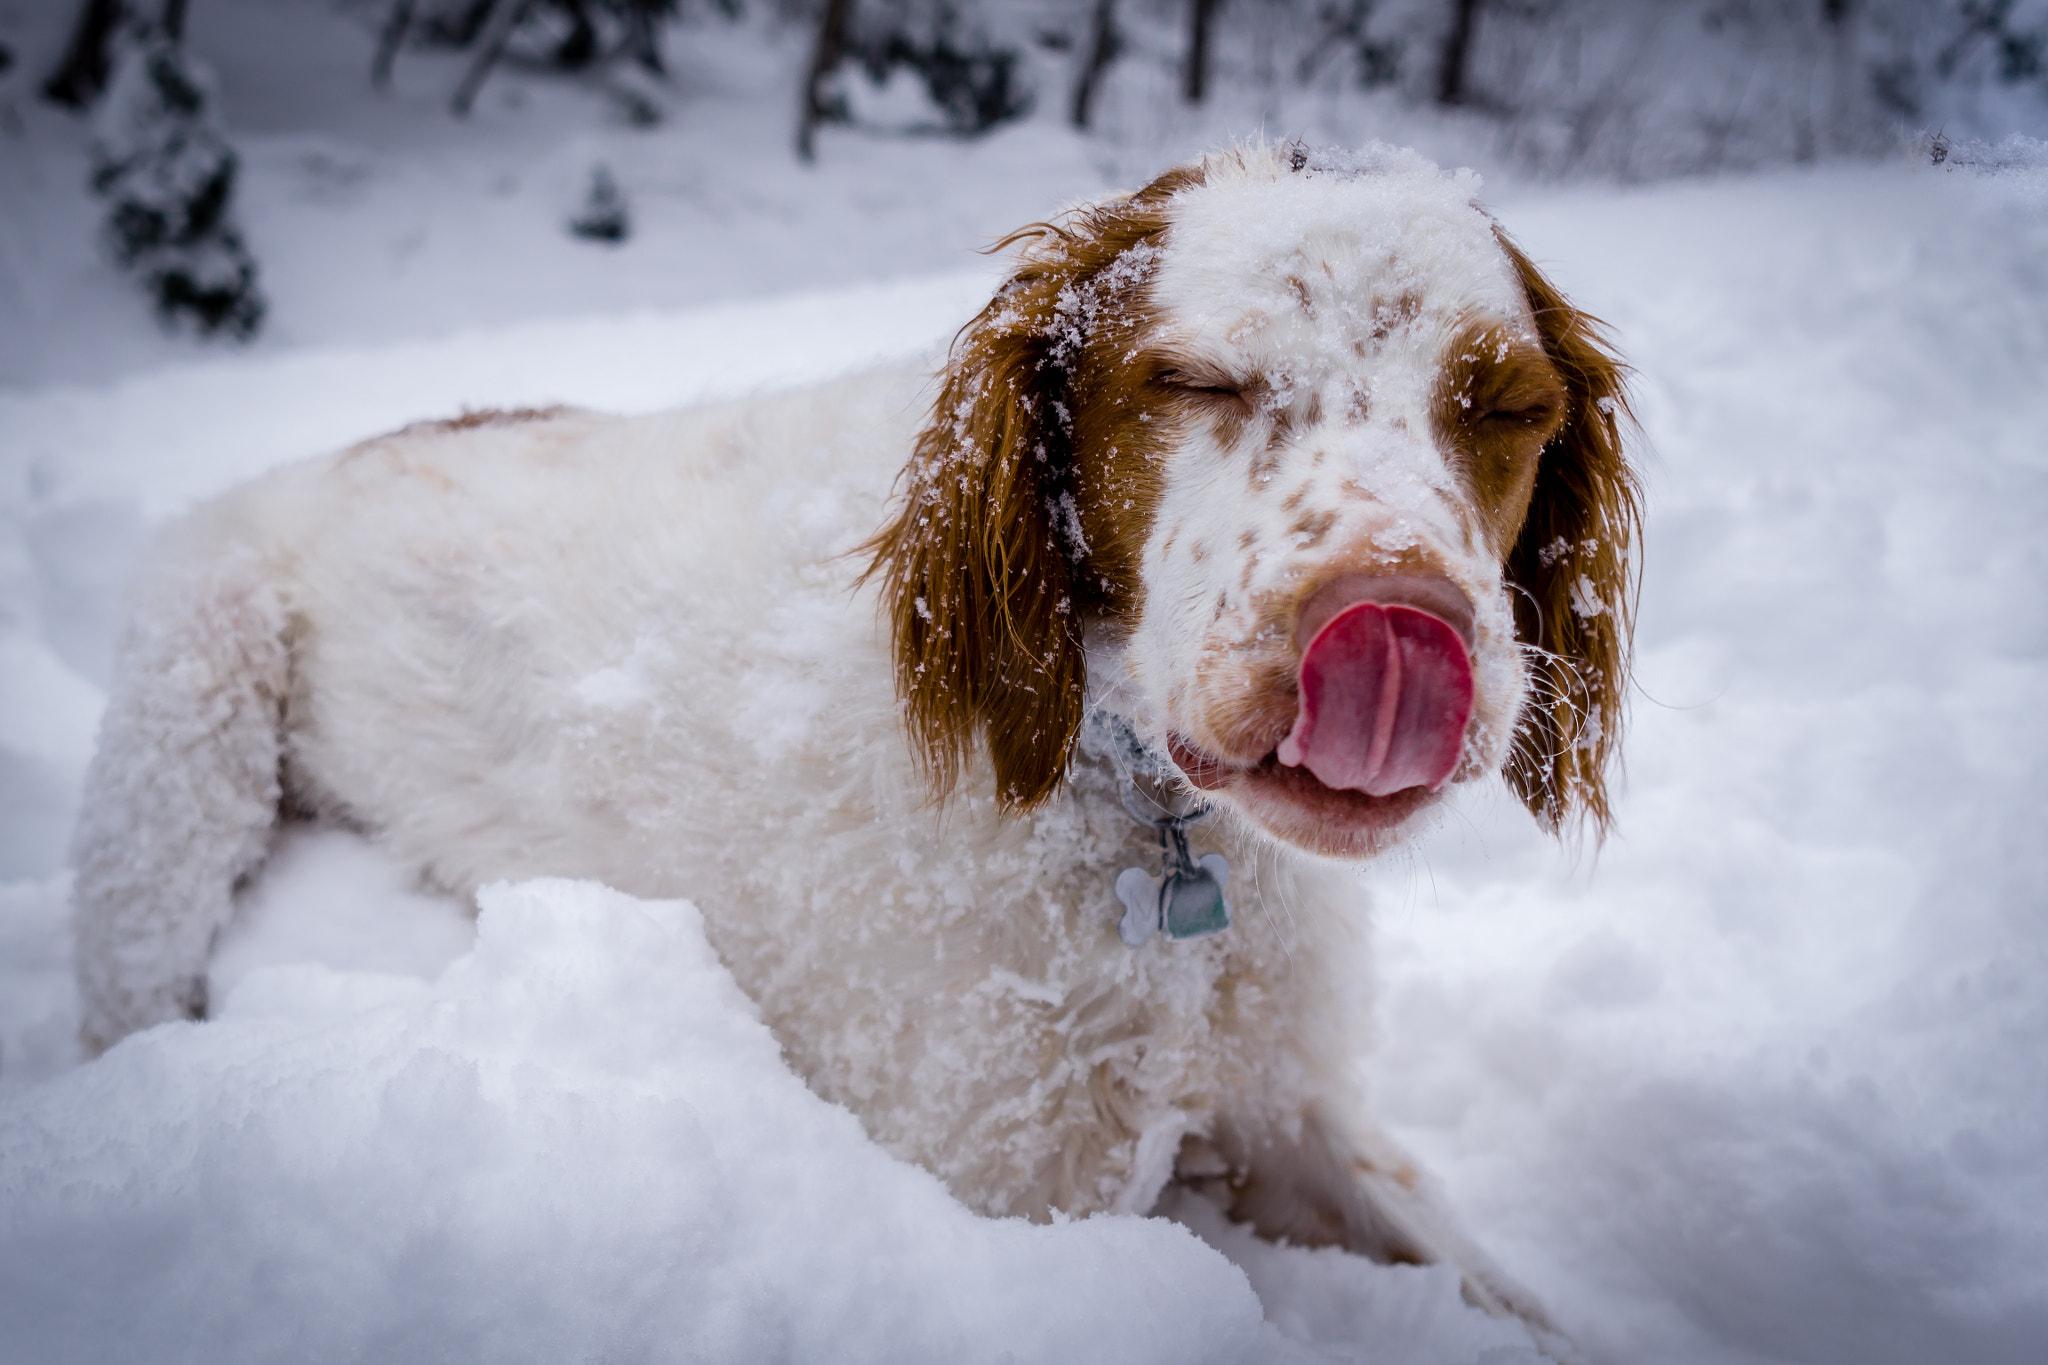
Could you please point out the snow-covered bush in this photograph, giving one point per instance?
(966, 70)
(168, 176)
(604, 216)
(1614, 86)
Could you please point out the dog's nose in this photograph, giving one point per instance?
(1385, 683)
(1430, 593)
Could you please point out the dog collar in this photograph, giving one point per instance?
(1186, 899)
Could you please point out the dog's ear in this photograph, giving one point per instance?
(981, 563)
(1574, 569)
(977, 580)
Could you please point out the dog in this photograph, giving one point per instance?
(1258, 509)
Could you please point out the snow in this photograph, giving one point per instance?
(578, 1142)
(1764, 1079)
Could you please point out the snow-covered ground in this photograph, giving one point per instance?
(1764, 1080)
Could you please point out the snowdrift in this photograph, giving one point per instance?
(577, 1143)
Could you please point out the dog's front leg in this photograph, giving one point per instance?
(1315, 1180)
(183, 793)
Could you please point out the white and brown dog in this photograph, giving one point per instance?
(1286, 485)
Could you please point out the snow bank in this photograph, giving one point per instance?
(178, 434)
(577, 1143)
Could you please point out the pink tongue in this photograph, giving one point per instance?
(1385, 693)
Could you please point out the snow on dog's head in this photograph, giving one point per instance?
(1323, 478)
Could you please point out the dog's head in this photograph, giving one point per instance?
(1318, 469)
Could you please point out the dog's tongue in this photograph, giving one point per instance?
(1385, 693)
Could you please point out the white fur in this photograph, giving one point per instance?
(634, 651)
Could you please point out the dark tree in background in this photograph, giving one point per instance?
(600, 33)
(88, 59)
(1201, 22)
(828, 50)
(1104, 46)
(1347, 28)
(970, 77)
(165, 170)
(1626, 88)
(604, 216)
(1450, 80)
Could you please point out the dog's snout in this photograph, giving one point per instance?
(1432, 593)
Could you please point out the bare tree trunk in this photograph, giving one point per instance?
(825, 57)
(389, 40)
(1341, 28)
(504, 17)
(1198, 49)
(174, 20)
(1450, 80)
(83, 73)
(1103, 46)
(1841, 73)
(641, 39)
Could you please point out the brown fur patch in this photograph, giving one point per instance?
(1312, 526)
(493, 417)
(1398, 311)
(1299, 288)
(1025, 504)
(1253, 691)
(1498, 402)
(1359, 407)
(469, 419)
(1575, 563)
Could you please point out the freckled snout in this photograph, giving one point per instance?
(1385, 682)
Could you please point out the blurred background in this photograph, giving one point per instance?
(295, 171)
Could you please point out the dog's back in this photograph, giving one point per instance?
(381, 637)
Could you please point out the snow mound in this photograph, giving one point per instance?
(2018, 165)
(579, 1142)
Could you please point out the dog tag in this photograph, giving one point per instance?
(1140, 896)
(1191, 903)
(1186, 899)
(1185, 903)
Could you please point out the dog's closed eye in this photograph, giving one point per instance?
(1226, 400)
(1529, 415)
(1204, 385)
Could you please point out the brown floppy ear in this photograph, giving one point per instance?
(1575, 566)
(980, 563)
(976, 578)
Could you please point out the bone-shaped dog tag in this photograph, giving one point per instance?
(1139, 893)
(1192, 904)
